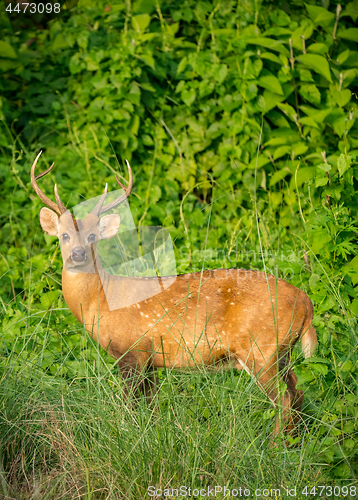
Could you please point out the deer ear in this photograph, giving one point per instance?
(108, 226)
(49, 221)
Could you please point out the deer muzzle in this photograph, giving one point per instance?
(78, 254)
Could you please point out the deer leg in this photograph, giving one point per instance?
(268, 376)
(293, 397)
(150, 384)
(295, 401)
(132, 369)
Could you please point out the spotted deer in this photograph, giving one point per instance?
(202, 318)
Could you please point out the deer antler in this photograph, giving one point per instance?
(59, 208)
(99, 210)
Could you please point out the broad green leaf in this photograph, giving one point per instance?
(354, 305)
(343, 56)
(91, 65)
(326, 167)
(259, 161)
(62, 42)
(6, 50)
(343, 163)
(182, 65)
(299, 149)
(188, 96)
(276, 31)
(318, 63)
(280, 174)
(318, 48)
(352, 59)
(280, 17)
(310, 93)
(351, 10)
(270, 57)
(148, 87)
(319, 368)
(348, 76)
(304, 378)
(155, 193)
(172, 28)
(320, 241)
(342, 97)
(314, 281)
(269, 43)
(309, 121)
(82, 39)
(348, 365)
(271, 83)
(221, 74)
(148, 59)
(147, 140)
(351, 268)
(140, 22)
(76, 64)
(321, 181)
(279, 152)
(7, 64)
(271, 99)
(305, 30)
(302, 176)
(135, 124)
(319, 15)
(288, 110)
(318, 115)
(305, 75)
(349, 34)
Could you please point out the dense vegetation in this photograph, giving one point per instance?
(239, 120)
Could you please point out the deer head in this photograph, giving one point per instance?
(79, 238)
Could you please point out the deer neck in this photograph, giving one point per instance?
(82, 286)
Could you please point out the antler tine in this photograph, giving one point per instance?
(38, 176)
(61, 206)
(97, 208)
(124, 196)
(58, 208)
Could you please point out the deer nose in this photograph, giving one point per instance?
(78, 254)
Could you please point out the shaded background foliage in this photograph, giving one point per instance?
(239, 121)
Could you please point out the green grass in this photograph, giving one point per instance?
(67, 431)
(201, 430)
(79, 437)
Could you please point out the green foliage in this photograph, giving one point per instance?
(239, 120)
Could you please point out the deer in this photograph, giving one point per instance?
(202, 318)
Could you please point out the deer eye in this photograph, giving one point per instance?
(65, 237)
(91, 238)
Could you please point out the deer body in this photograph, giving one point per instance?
(201, 318)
